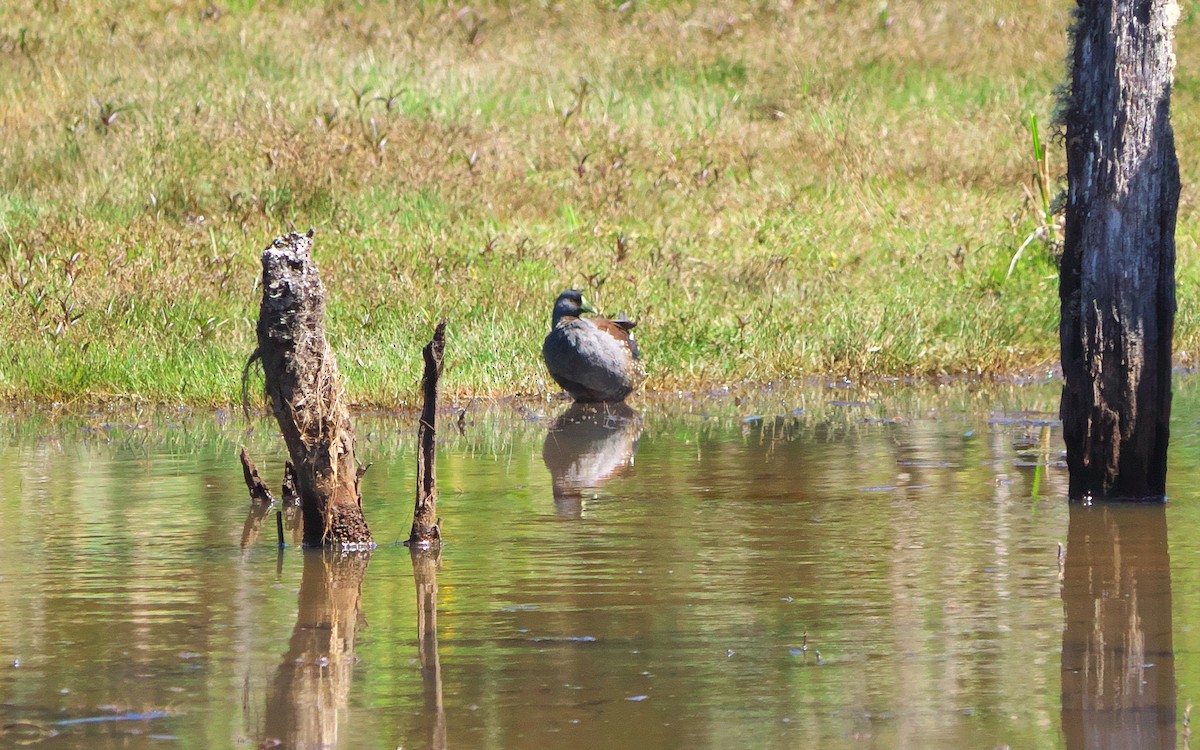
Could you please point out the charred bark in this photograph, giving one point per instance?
(426, 530)
(307, 395)
(1117, 282)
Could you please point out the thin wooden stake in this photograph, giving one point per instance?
(426, 530)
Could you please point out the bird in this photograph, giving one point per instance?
(593, 359)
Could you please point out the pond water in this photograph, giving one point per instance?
(889, 566)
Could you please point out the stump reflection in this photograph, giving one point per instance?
(587, 445)
(425, 567)
(313, 680)
(1118, 664)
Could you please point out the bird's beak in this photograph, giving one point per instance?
(586, 307)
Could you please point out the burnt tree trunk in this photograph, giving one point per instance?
(425, 529)
(307, 396)
(1117, 283)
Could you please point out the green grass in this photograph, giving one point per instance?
(773, 191)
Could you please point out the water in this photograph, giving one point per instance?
(830, 567)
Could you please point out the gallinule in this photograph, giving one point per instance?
(593, 359)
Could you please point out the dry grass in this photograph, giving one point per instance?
(775, 190)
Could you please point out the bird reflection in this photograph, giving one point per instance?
(587, 445)
(1118, 663)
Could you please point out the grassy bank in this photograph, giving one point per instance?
(778, 190)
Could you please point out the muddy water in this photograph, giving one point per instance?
(830, 567)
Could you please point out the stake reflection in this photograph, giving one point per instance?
(1118, 664)
(425, 566)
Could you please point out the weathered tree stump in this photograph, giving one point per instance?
(307, 395)
(1117, 283)
(426, 530)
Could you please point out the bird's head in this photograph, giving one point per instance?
(570, 304)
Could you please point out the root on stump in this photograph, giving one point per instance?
(259, 493)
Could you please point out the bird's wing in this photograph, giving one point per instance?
(621, 330)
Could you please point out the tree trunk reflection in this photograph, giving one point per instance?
(1118, 665)
(313, 679)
